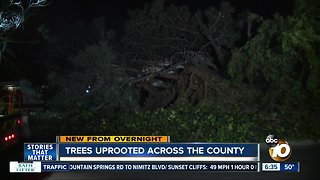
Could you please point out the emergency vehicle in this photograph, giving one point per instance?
(13, 115)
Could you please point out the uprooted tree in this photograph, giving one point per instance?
(172, 55)
(177, 55)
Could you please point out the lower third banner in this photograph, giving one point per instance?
(138, 166)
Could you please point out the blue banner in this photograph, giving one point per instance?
(136, 166)
(40, 151)
(158, 150)
(289, 167)
(54, 167)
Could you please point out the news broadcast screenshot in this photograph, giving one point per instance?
(159, 89)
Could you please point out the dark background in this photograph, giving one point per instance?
(27, 62)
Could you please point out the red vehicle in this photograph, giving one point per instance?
(13, 115)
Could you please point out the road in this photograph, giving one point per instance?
(305, 153)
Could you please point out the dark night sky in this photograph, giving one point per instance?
(115, 13)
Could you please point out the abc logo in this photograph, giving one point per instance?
(279, 149)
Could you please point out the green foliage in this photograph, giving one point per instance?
(259, 60)
(282, 60)
(45, 126)
(184, 124)
(206, 124)
(303, 37)
(95, 70)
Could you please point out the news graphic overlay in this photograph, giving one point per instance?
(40, 152)
(150, 166)
(136, 153)
(170, 152)
(281, 167)
(279, 151)
(25, 167)
(113, 139)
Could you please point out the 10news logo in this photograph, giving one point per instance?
(279, 149)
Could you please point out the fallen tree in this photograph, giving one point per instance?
(181, 82)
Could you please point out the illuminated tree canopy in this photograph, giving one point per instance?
(12, 15)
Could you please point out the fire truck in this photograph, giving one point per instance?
(13, 115)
